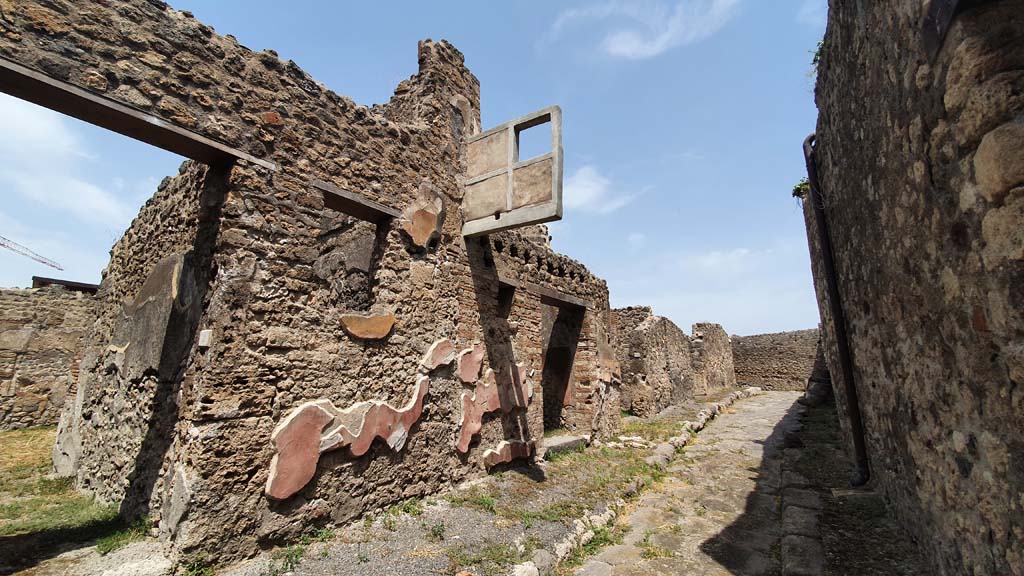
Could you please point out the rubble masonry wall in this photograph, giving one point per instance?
(183, 432)
(42, 336)
(921, 175)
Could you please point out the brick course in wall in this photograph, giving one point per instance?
(779, 361)
(920, 167)
(42, 337)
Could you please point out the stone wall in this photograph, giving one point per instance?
(662, 366)
(779, 361)
(711, 357)
(920, 166)
(227, 357)
(654, 355)
(42, 336)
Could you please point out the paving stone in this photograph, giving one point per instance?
(620, 554)
(595, 568)
(802, 498)
(800, 521)
(802, 556)
(717, 511)
(543, 560)
(527, 569)
(564, 443)
(792, 479)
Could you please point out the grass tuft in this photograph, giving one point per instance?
(32, 502)
(134, 532)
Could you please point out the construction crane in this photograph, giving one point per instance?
(19, 249)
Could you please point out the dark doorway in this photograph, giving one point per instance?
(556, 379)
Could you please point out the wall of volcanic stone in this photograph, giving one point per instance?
(779, 361)
(711, 358)
(921, 169)
(661, 366)
(254, 261)
(42, 336)
(655, 357)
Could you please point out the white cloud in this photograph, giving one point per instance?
(40, 160)
(747, 290)
(587, 190)
(652, 27)
(719, 262)
(637, 239)
(813, 13)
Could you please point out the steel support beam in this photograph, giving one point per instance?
(34, 86)
(354, 204)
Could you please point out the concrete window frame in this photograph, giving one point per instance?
(503, 192)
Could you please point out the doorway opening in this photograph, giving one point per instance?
(563, 326)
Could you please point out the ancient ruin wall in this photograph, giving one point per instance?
(921, 172)
(42, 337)
(654, 355)
(662, 366)
(779, 361)
(272, 272)
(711, 357)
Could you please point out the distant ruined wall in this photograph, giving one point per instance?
(42, 336)
(654, 355)
(251, 263)
(779, 361)
(662, 366)
(922, 178)
(711, 357)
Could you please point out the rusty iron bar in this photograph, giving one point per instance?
(939, 18)
(862, 470)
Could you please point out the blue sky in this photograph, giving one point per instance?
(682, 124)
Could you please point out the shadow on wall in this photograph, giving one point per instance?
(179, 334)
(556, 377)
(495, 302)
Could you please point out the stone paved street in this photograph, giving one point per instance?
(718, 509)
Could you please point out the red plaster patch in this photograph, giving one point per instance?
(300, 438)
(507, 451)
(440, 353)
(297, 441)
(470, 361)
(484, 399)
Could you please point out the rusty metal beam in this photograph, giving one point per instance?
(559, 299)
(34, 86)
(548, 296)
(354, 204)
(939, 17)
(862, 472)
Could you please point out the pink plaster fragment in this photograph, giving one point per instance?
(440, 353)
(513, 385)
(297, 441)
(380, 420)
(301, 437)
(507, 451)
(469, 363)
(484, 399)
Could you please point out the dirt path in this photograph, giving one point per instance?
(718, 509)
